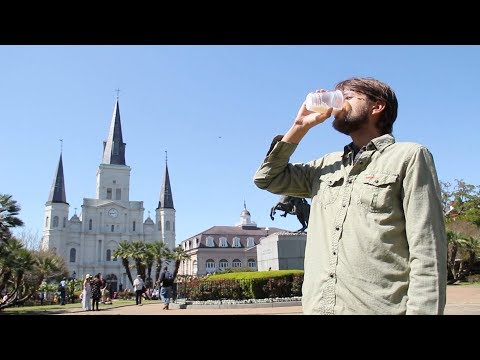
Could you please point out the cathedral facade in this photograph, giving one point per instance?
(87, 241)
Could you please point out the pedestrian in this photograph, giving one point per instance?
(62, 289)
(376, 242)
(87, 293)
(166, 289)
(96, 285)
(103, 289)
(138, 287)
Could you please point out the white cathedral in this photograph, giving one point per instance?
(87, 241)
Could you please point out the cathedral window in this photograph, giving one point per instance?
(55, 221)
(46, 221)
(112, 229)
(90, 222)
(118, 194)
(73, 255)
(133, 227)
(64, 222)
(109, 255)
(109, 193)
(167, 225)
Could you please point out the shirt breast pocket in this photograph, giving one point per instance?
(329, 189)
(377, 192)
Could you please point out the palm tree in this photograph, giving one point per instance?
(123, 252)
(8, 209)
(13, 269)
(138, 253)
(179, 255)
(159, 253)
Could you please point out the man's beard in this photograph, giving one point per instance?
(351, 123)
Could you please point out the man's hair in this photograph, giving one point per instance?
(375, 90)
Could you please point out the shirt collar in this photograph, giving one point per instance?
(378, 143)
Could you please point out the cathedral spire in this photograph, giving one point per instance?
(114, 147)
(166, 198)
(57, 191)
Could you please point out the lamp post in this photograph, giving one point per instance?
(74, 275)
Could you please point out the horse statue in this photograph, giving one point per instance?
(294, 206)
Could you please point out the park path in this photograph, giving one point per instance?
(461, 300)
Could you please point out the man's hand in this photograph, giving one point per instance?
(304, 121)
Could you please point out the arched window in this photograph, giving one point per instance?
(55, 221)
(73, 255)
(210, 265)
(109, 255)
(236, 263)
(109, 193)
(252, 263)
(90, 222)
(223, 264)
(112, 228)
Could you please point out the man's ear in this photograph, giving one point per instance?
(378, 107)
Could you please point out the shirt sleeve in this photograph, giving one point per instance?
(278, 176)
(425, 231)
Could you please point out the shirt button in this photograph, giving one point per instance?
(332, 275)
(334, 253)
(349, 181)
(337, 228)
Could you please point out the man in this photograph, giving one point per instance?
(376, 242)
(166, 289)
(138, 285)
(62, 288)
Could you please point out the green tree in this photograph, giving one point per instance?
(123, 252)
(462, 220)
(8, 219)
(179, 255)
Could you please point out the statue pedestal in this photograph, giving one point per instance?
(281, 251)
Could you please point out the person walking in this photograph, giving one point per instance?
(138, 288)
(376, 242)
(62, 289)
(87, 293)
(166, 289)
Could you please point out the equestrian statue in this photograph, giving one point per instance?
(294, 206)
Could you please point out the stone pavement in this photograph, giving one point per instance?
(461, 300)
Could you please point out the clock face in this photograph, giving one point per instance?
(113, 212)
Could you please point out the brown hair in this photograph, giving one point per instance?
(375, 90)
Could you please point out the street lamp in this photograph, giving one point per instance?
(74, 275)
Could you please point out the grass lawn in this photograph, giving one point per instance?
(59, 309)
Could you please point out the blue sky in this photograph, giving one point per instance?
(215, 110)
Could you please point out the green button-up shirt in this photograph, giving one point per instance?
(376, 241)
